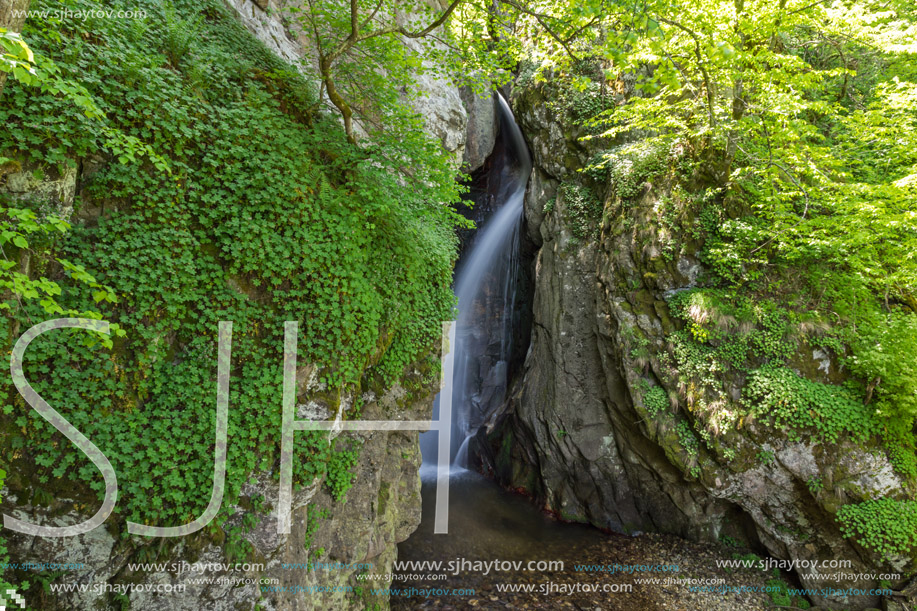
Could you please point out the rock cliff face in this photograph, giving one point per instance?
(382, 507)
(576, 432)
(463, 122)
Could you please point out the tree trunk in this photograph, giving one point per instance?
(12, 16)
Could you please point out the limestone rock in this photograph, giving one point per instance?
(574, 432)
(269, 27)
(437, 100)
(481, 133)
(52, 187)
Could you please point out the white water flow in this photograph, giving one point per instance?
(486, 290)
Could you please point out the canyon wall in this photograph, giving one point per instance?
(598, 427)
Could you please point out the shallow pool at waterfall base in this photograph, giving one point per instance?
(487, 524)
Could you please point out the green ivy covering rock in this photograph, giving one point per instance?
(262, 213)
(885, 526)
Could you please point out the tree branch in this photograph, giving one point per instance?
(326, 60)
(700, 64)
(540, 18)
(772, 163)
(372, 15)
(355, 36)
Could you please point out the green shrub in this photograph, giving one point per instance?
(583, 210)
(339, 478)
(630, 166)
(741, 331)
(577, 99)
(778, 592)
(687, 438)
(268, 215)
(800, 406)
(884, 526)
(884, 356)
(179, 34)
(655, 400)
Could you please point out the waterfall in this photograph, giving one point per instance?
(485, 284)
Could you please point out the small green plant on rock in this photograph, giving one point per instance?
(799, 405)
(237, 548)
(884, 526)
(656, 400)
(687, 438)
(630, 165)
(313, 523)
(584, 210)
(815, 485)
(780, 594)
(339, 477)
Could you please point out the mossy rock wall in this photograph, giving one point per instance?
(585, 443)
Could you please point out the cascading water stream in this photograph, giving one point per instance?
(487, 524)
(485, 285)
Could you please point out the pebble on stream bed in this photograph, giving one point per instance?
(695, 560)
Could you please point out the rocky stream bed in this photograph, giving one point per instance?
(488, 523)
